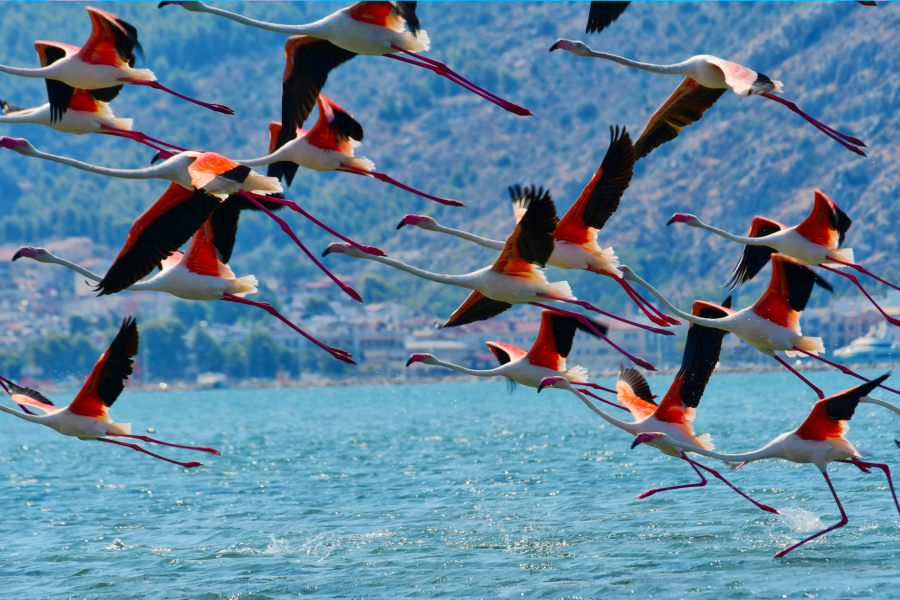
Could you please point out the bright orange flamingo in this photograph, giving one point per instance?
(816, 241)
(819, 441)
(104, 63)
(369, 28)
(706, 79)
(87, 417)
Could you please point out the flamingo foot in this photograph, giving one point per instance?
(155, 84)
(832, 133)
(186, 465)
(856, 282)
(144, 438)
(589, 306)
(864, 271)
(718, 476)
(387, 179)
(842, 522)
(701, 483)
(598, 387)
(865, 466)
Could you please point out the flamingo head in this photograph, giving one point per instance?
(344, 248)
(191, 6)
(683, 218)
(579, 48)
(627, 273)
(20, 145)
(649, 438)
(422, 358)
(550, 382)
(38, 254)
(420, 221)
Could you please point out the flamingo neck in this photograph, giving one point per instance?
(676, 69)
(21, 415)
(768, 451)
(24, 72)
(887, 405)
(27, 116)
(78, 269)
(276, 27)
(624, 425)
(747, 241)
(714, 323)
(474, 372)
(457, 280)
(158, 171)
(262, 160)
(471, 237)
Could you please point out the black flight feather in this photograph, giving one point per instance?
(753, 259)
(28, 393)
(840, 407)
(602, 14)
(407, 10)
(482, 310)
(617, 168)
(638, 384)
(118, 364)
(535, 239)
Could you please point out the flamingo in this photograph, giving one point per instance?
(207, 172)
(603, 14)
(368, 28)
(328, 146)
(675, 414)
(706, 79)
(816, 241)
(84, 114)
(87, 417)
(819, 440)
(199, 274)
(547, 356)
(772, 323)
(513, 278)
(104, 63)
(575, 239)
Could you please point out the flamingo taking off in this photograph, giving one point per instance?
(602, 14)
(675, 414)
(104, 63)
(817, 241)
(87, 417)
(819, 440)
(369, 28)
(514, 278)
(772, 323)
(575, 239)
(546, 358)
(328, 146)
(706, 79)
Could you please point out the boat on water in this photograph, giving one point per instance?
(874, 347)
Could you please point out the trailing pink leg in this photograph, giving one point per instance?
(127, 135)
(864, 271)
(387, 179)
(337, 353)
(864, 467)
(444, 71)
(139, 136)
(581, 319)
(598, 387)
(296, 208)
(155, 84)
(188, 465)
(853, 278)
(702, 482)
(589, 306)
(144, 438)
(823, 532)
(659, 317)
(802, 378)
(596, 397)
(718, 476)
(285, 228)
(842, 368)
(833, 134)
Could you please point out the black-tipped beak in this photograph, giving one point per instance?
(541, 386)
(897, 442)
(157, 157)
(402, 223)
(554, 47)
(672, 220)
(17, 255)
(634, 444)
(409, 362)
(161, 4)
(327, 252)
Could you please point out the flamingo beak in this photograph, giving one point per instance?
(26, 252)
(554, 46)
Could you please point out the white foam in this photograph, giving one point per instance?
(800, 519)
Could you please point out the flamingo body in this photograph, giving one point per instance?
(77, 122)
(344, 29)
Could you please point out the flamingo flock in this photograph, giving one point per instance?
(200, 211)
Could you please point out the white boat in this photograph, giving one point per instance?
(874, 347)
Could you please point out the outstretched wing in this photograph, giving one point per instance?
(788, 293)
(828, 416)
(107, 380)
(393, 15)
(25, 396)
(224, 223)
(113, 41)
(213, 173)
(334, 129)
(600, 198)
(477, 307)
(827, 224)
(602, 14)
(684, 107)
(633, 392)
(505, 352)
(531, 243)
(59, 94)
(754, 258)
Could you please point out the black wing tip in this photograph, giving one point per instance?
(637, 382)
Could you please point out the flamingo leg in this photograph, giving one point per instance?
(802, 378)
(444, 71)
(337, 353)
(139, 136)
(581, 319)
(718, 476)
(659, 317)
(126, 135)
(701, 483)
(387, 179)
(596, 397)
(589, 306)
(296, 208)
(3, 382)
(865, 466)
(598, 387)
(833, 134)
(842, 368)
(144, 438)
(864, 271)
(853, 278)
(285, 228)
(842, 522)
(188, 465)
(155, 84)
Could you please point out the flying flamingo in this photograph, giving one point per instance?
(514, 277)
(575, 239)
(772, 323)
(198, 274)
(104, 63)
(603, 14)
(207, 172)
(706, 79)
(547, 356)
(819, 440)
(369, 28)
(816, 241)
(675, 414)
(87, 417)
(328, 146)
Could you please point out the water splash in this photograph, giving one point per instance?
(276, 547)
(325, 543)
(116, 545)
(800, 519)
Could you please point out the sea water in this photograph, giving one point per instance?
(453, 490)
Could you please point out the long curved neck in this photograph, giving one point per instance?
(23, 72)
(21, 415)
(676, 69)
(76, 268)
(474, 372)
(148, 173)
(749, 241)
(262, 161)
(481, 241)
(277, 28)
(629, 427)
(662, 300)
(436, 277)
(29, 116)
(769, 451)
(887, 405)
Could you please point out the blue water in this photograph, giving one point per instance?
(453, 490)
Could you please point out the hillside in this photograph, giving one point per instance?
(747, 156)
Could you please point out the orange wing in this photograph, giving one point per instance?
(531, 242)
(826, 224)
(819, 426)
(109, 41)
(214, 174)
(788, 292)
(505, 352)
(107, 380)
(543, 352)
(630, 386)
(392, 15)
(83, 100)
(201, 257)
(334, 128)
(24, 396)
(50, 52)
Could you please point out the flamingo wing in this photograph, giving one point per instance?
(201, 257)
(827, 224)
(684, 107)
(172, 260)
(107, 379)
(224, 224)
(477, 307)
(113, 41)
(520, 200)
(554, 340)
(600, 198)
(744, 81)
(633, 392)
(788, 293)
(58, 93)
(505, 352)
(754, 258)
(392, 15)
(531, 243)
(162, 229)
(828, 416)
(25, 396)
(335, 128)
(213, 173)
(602, 14)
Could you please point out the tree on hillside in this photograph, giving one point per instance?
(162, 347)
